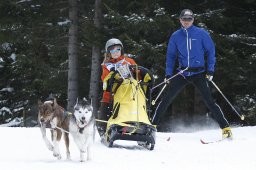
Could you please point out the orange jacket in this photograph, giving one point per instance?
(106, 67)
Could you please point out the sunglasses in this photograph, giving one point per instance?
(115, 50)
(187, 19)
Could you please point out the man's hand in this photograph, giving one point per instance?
(209, 75)
(166, 80)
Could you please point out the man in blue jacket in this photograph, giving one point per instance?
(190, 45)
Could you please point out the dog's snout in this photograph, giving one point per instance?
(42, 120)
(83, 118)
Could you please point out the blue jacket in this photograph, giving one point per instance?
(190, 47)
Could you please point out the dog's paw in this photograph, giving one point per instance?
(68, 157)
(89, 156)
(82, 156)
(50, 147)
(57, 155)
(82, 160)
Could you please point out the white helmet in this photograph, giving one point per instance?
(111, 42)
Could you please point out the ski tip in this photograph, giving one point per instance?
(203, 142)
(216, 141)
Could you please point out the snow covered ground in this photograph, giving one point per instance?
(23, 149)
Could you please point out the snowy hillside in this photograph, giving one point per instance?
(23, 149)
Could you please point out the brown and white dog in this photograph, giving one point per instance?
(52, 115)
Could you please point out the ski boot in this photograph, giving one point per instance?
(226, 133)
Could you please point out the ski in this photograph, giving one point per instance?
(209, 142)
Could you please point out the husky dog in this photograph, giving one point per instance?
(82, 128)
(52, 115)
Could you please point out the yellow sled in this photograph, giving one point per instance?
(131, 103)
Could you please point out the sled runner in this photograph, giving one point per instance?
(130, 88)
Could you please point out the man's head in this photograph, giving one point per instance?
(186, 18)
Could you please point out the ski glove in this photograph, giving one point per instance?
(105, 81)
(209, 75)
(166, 80)
(112, 69)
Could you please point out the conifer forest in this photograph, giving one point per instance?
(57, 47)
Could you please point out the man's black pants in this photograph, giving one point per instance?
(201, 83)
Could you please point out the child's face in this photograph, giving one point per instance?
(115, 51)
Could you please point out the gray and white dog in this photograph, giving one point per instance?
(82, 128)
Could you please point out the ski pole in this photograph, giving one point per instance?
(154, 101)
(180, 72)
(241, 116)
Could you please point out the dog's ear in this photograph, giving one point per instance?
(90, 104)
(91, 107)
(77, 100)
(84, 102)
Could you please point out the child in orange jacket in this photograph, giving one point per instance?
(114, 58)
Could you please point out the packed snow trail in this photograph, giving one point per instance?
(24, 149)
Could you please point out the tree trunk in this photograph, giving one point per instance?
(95, 67)
(72, 55)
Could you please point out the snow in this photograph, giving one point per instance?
(6, 46)
(66, 22)
(4, 111)
(160, 11)
(7, 89)
(24, 149)
(22, 1)
(13, 56)
(15, 122)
